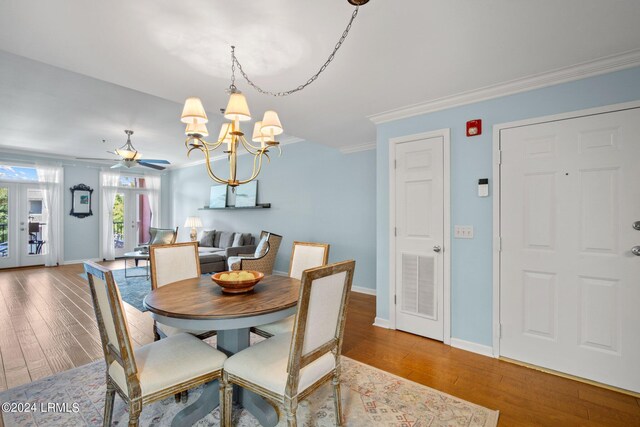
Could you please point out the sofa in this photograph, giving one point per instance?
(215, 247)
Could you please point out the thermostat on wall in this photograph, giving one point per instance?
(483, 187)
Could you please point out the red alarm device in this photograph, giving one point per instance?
(474, 127)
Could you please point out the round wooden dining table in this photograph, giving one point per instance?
(200, 305)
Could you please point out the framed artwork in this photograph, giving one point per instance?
(218, 196)
(247, 194)
(81, 201)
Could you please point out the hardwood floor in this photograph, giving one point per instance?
(47, 325)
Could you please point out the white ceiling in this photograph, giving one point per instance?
(130, 64)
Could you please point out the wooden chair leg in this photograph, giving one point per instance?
(226, 401)
(177, 397)
(156, 334)
(337, 399)
(134, 414)
(291, 407)
(108, 405)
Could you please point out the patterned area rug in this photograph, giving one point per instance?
(132, 289)
(371, 397)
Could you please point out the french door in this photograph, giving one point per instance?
(22, 225)
(570, 259)
(131, 220)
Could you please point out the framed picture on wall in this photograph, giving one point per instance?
(81, 201)
(218, 196)
(247, 194)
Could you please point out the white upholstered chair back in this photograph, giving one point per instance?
(305, 255)
(111, 318)
(319, 325)
(172, 263)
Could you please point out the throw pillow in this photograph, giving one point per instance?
(237, 240)
(207, 238)
(226, 238)
(262, 247)
(163, 237)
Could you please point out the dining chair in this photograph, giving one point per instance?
(304, 255)
(152, 372)
(288, 367)
(263, 259)
(172, 263)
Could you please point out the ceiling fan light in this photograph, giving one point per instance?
(196, 129)
(271, 123)
(237, 108)
(193, 111)
(127, 154)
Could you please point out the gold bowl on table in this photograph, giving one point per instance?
(237, 282)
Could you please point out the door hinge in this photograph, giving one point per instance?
(500, 331)
(499, 157)
(395, 231)
(499, 243)
(395, 164)
(395, 300)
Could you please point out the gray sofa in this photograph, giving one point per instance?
(215, 247)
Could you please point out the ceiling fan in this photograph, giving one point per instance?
(130, 157)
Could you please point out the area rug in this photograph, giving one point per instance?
(371, 397)
(132, 289)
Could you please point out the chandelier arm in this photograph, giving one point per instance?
(210, 172)
(257, 159)
(251, 149)
(234, 61)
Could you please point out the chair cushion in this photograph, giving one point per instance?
(169, 362)
(265, 364)
(262, 247)
(206, 239)
(284, 326)
(170, 331)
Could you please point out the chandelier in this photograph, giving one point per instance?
(231, 136)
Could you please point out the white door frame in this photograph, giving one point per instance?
(446, 244)
(496, 191)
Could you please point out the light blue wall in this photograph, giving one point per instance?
(316, 193)
(471, 159)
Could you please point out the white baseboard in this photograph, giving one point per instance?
(363, 290)
(473, 347)
(80, 261)
(381, 323)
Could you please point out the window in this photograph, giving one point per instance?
(131, 182)
(17, 173)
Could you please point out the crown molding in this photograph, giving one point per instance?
(283, 141)
(583, 70)
(357, 148)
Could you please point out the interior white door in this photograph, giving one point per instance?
(132, 218)
(419, 232)
(9, 255)
(569, 276)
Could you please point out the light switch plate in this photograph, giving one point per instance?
(463, 231)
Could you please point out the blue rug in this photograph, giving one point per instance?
(132, 289)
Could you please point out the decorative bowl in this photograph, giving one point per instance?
(237, 286)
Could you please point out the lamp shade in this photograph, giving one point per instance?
(127, 154)
(193, 111)
(197, 129)
(237, 108)
(271, 123)
(225, 132)
(193, 222)
(258, 136)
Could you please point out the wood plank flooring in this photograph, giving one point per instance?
(47, 325)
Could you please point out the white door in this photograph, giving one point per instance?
(569, 279)
(22, 225)
(419, 231)
(132, 219)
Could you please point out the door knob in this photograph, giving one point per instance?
(437, 248)
(635, 250)
(636, 225)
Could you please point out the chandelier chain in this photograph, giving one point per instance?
(313, 78)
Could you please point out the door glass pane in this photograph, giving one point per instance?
(118, 222)
(37, 224)
(143, 218)
(4, 222)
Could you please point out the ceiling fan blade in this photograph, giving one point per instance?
(96, 158)
(164, 162)
(149, 165)
(117, 166)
